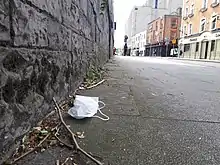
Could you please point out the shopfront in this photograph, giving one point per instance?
(204, 46)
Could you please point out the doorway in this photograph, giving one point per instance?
(204, 50)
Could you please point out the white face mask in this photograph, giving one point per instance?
(85, 106)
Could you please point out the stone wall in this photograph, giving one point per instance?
(46, 46)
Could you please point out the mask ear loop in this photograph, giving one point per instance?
(99, 109)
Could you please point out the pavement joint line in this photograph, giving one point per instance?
(182, 120)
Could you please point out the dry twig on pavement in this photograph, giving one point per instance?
(95, 85)
(73, 136)
(32, 150)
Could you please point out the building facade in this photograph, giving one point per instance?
(200, 30)
(163, 31)
(138, 20)
(170, 5)
(139, 42)
(140, 16)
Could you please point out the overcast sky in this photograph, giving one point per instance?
(122, 9)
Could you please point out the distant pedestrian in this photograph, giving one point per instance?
(181, 52)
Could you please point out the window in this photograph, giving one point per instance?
(190, 29)
(215, 1)
(186, 47)
(156, 26)
(173, 23)
(192, 9)
(197, 46)
(186, 12)
(204, 4)
(184, 30)
(202, 25)
(214, 21)
(173, 35)
(212, 45)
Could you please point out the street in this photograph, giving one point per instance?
(162, 112)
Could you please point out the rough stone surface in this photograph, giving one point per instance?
(4, 20)
(52, 44)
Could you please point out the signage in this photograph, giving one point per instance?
(174, 41)
(217, 35)
(193, 39)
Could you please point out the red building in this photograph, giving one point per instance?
(163, 31)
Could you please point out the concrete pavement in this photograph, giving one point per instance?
(162, 112)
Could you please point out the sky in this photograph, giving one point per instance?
(122, 9)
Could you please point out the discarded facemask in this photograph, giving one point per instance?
(86, 107)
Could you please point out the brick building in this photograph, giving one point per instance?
(200, 37)
(161, 32)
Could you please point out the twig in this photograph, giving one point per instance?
(62, 142)
(65, 161)
(95, 85)
(73, 136)
(32, 150)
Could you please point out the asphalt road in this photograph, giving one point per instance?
(182, 90)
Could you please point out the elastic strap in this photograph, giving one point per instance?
(99, 109)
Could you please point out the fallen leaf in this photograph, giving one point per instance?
(81, 136)
(44, 132)
(42, 150)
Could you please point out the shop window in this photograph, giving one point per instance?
(186, 47)
(212, 45)
(197, 46)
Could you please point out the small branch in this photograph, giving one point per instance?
(62, 142)
(73, 136)
(65, 161)
(32, 150)
(95, 85)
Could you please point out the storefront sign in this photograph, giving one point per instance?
(217, 35)
(193, 39)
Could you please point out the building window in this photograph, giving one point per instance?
(197, 46)
(184, 31)
(214, 21)
(173, 23)
(190, 28)
(212, 45)
(192, 9)
(173, 35)
(202, 25)
(156, 26)
(187, 12)
(204, 4)
(186, 47)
